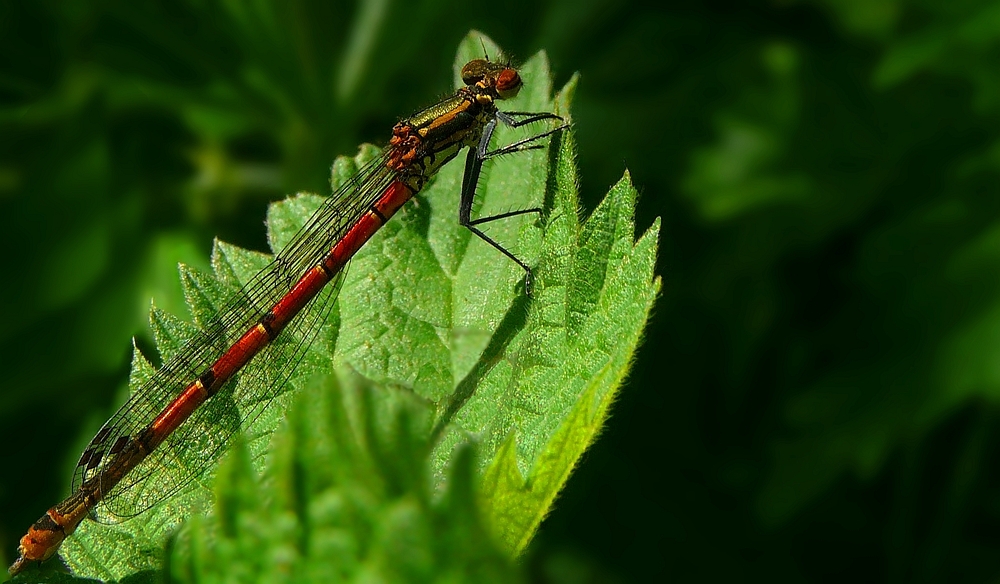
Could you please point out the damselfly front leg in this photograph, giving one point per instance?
(474, 165)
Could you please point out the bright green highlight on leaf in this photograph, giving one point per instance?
(430, 347)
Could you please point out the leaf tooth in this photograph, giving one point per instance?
(286, 218)
(222, 267)
(234, 266)
(564, 98)
(142, 369)
(624, 196)
(605, 237)
(169, 332)
(632, 285)
(345, 167)
(202, 295)
(645, 250)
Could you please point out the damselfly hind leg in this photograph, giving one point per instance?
(473, 168)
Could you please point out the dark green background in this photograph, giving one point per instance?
(816, 399)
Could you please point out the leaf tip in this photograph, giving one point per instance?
(564, 97)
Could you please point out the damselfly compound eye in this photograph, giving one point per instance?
(508, 83)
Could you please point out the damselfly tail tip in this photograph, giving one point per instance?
(39, 544)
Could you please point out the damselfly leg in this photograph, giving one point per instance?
(473, 168)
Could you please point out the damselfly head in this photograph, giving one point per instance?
(500, 78)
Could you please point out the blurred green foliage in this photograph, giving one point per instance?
(351, 503)
(817, 395)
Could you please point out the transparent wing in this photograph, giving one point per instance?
(198, 443)
(203, 438)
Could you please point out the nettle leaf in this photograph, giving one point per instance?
(431, 346)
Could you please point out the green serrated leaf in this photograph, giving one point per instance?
(594, 295)
(438, 346)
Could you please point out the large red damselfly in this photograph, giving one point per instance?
(196, 384)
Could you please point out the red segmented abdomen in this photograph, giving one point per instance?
(46, 535)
